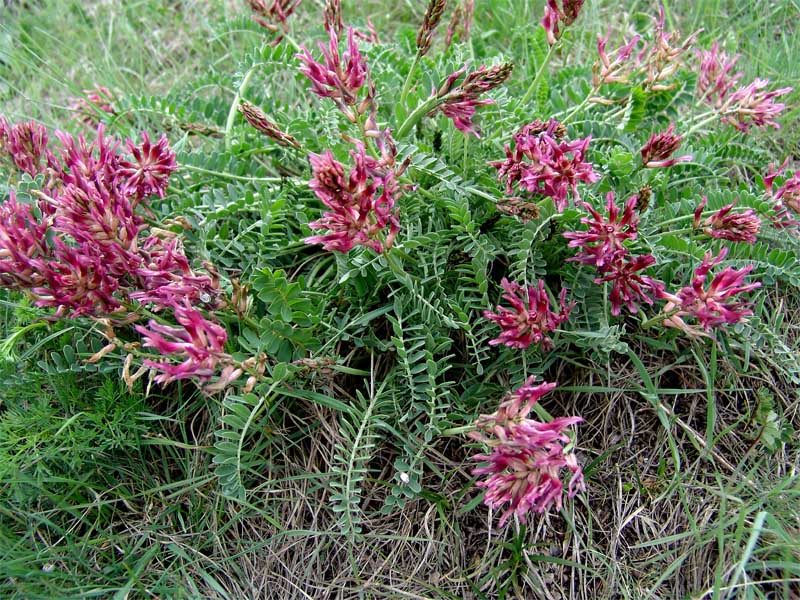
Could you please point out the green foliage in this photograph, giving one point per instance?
(369, 367)
(232, 453)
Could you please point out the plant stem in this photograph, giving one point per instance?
(236, 177)
(580, 106)
(539, 74)
(418, 114)
(292, 42)
(407, 83)
(453, 431)
(714, 116)
(235, 105)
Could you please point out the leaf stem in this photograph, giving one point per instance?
(415, 117)
(539, 74)
(407, 83)
(235, 105)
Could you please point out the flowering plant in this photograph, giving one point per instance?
(450, 220)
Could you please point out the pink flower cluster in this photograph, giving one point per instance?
(602, 247)
(660, 147)
(617, 68)
(711, 306)
(523, 467)
(565, 14)
(747, 106)
(716, 78)
(340, 76)
(200, 341)
(94, 102)
(725, 224)
(85, 250)
(664, 56)
(361, 203)
(90, 207)
(24, 146)
(786, 197)
(752, 105)
(530, 317)
(460, 102)
(656, 62)
(541, 163)
(273, 16)
(602, 244)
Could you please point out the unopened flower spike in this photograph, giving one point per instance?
(332, 19)
(460, 23)
(433, 15)
(259, 120)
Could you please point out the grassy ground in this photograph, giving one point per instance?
(108, 494)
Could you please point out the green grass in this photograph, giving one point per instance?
(691, 452)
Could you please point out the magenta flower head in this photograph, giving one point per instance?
(200, 343)
(526, 458)
(23, 243)
(164, 277)
(711, 306)
(542, 164)
(740, 226)
(789, 193)
(601, 244)
(629, 288)
(553, 15)
(273, 15)
(663, 59)
(619, 66)
(715, 78)
(78, 280)
(752, 105)
(149, 171)
(658, 149)
(361, 204)
(530, 317)
(24, 145)
(94, 102)
(341, 76)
